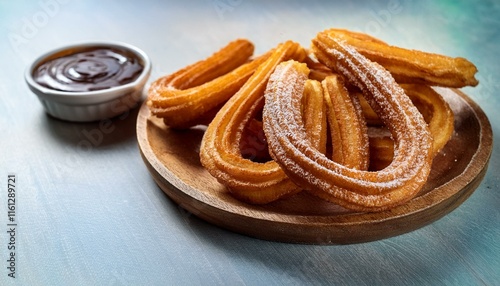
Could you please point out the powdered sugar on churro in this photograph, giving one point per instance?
(349, 187)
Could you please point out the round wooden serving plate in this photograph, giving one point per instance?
(172, 158)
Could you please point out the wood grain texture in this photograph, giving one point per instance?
(172, 158)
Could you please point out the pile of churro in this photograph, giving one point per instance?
(352, 119)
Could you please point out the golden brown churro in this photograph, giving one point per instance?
(411, 66)
(194, 94)
(220, 148)
(355, 189)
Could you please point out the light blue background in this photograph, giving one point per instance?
(94, 216)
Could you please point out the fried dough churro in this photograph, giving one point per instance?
(194, 94)
(355, 189)
(410, 66)
(220, 153)
(348, 128)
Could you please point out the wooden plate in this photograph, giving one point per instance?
(172, 158)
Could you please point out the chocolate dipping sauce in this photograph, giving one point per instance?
(89, 70)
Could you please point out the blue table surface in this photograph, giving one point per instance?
(94, 216)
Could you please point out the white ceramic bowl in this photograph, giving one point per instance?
(85, 106)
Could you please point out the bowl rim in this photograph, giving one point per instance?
(88, 97)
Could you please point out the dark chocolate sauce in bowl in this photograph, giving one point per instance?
(91, 69)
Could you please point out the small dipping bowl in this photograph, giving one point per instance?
(90, 81)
